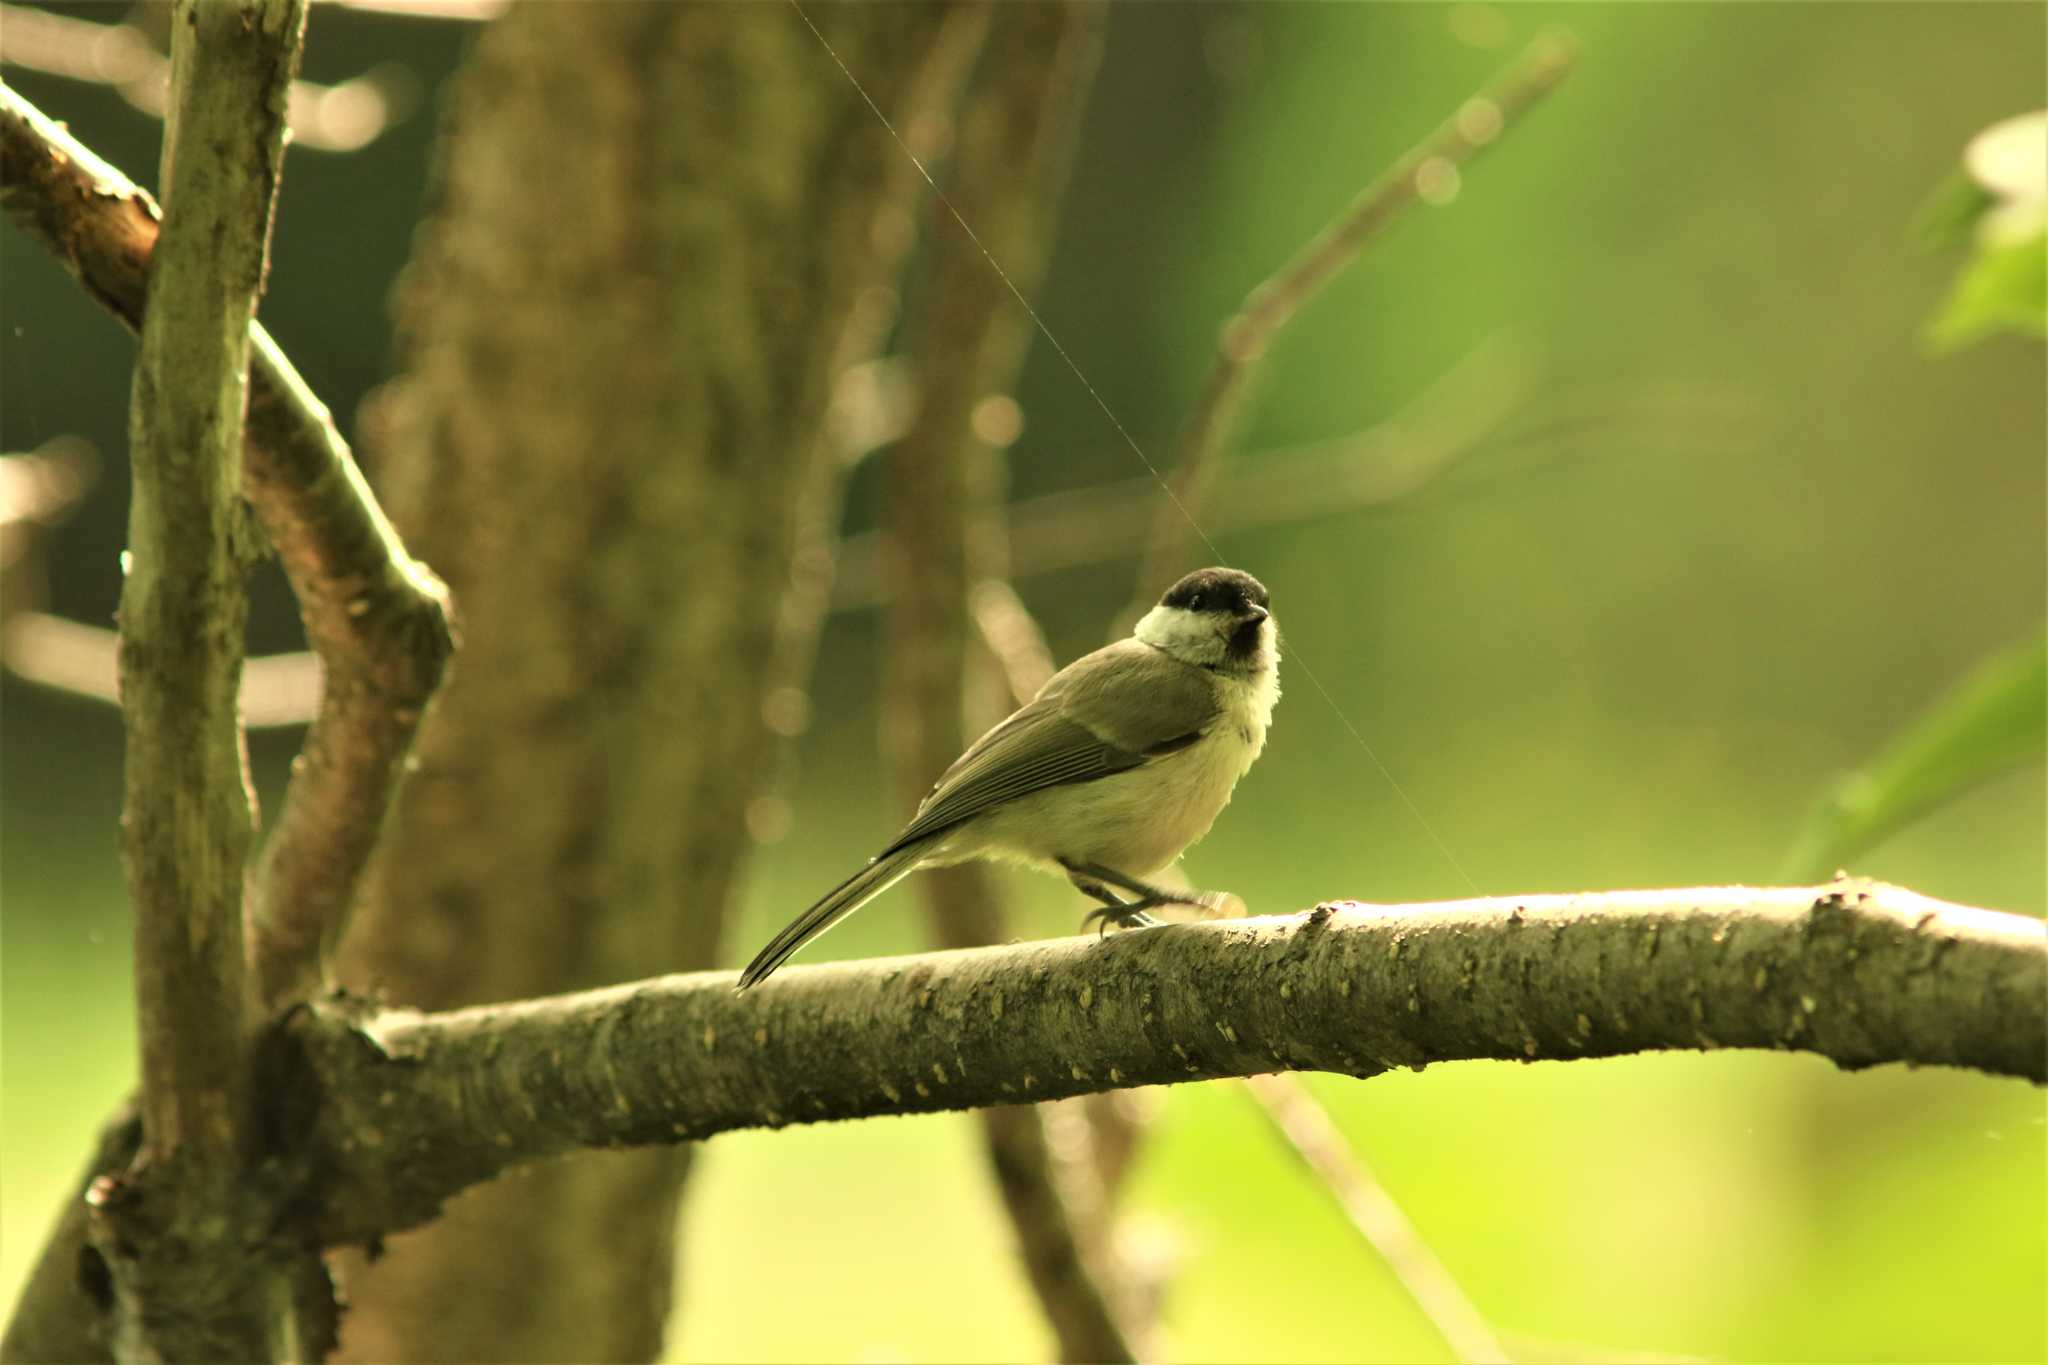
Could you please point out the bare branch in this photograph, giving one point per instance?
(98, 222)
(174, 1232)
(376, 618)
(1428, 172)
(183, 606)
(411, 1108)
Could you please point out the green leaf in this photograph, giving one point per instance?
(2003, 288)
(1995, 718)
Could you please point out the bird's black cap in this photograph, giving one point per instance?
(1228, 590)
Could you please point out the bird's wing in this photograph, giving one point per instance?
(1078, 729)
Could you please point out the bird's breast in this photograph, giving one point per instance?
(1137, 821)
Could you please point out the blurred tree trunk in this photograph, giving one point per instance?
(655, 239)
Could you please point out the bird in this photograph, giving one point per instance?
(1124, 758)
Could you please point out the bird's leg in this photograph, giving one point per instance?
(1149, 895)
(1095, 880)
(1114, 908)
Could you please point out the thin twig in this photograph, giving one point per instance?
(1428, 171)
(376, 618)
(1308, 1130)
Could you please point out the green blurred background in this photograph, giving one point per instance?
(1741, 528)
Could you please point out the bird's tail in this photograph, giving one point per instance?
(836, 904)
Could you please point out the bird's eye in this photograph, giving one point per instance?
(1198, 602)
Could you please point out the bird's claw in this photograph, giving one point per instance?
(1122, 916)
(1132, 914)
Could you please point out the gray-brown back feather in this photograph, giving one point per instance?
(1079, 728)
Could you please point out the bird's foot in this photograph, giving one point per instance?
(1094, 880)
(1126, 916)
(1132, 914)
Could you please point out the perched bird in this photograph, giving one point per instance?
(1120, 762)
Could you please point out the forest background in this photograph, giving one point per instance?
(1719, 521)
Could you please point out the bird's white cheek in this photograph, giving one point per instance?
(1179, 632)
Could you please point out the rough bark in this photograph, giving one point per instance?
(651, 229)
(180, 1233)
(375, 616)
(1860, 973)
(378, 621)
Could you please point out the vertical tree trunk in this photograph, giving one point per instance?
(653, 225)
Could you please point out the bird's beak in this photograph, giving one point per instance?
(1256, 613)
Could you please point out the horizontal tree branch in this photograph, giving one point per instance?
(402, 1110)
